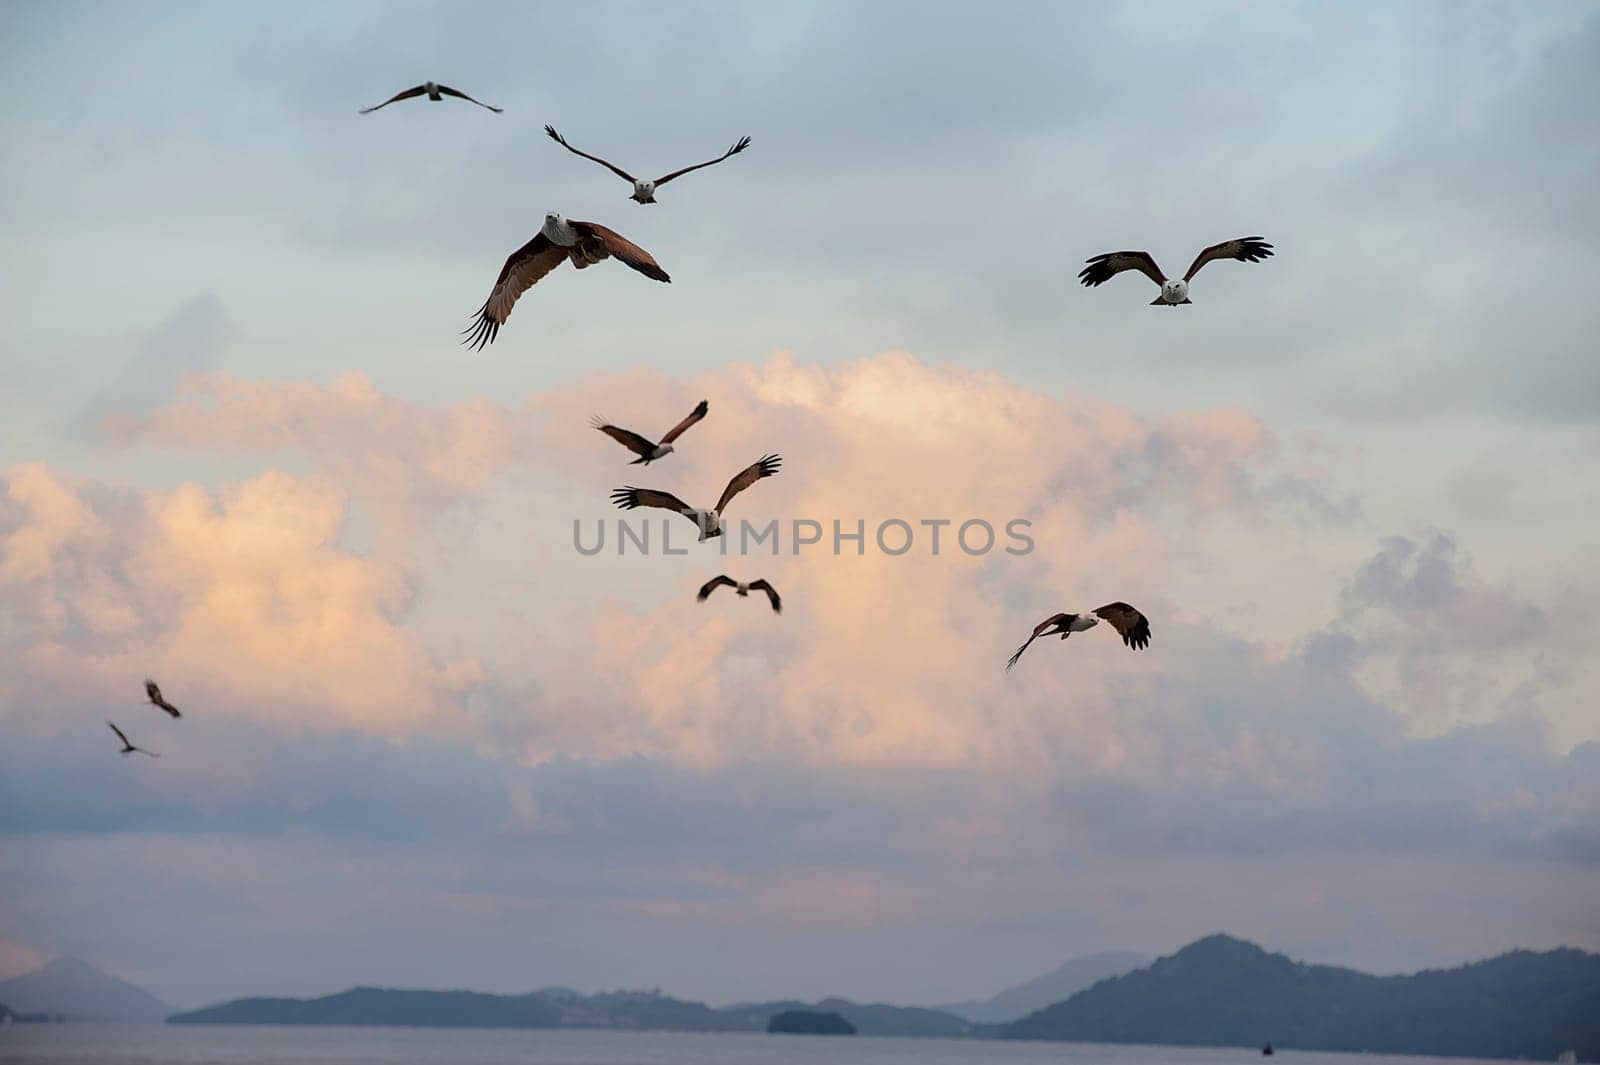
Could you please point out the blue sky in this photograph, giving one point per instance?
(428, 744)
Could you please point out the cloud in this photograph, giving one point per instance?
(241, 597)
(1450, 647)
(409, 461)
(879, 661)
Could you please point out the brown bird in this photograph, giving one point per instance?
(435, 92)
(637, 444)
(1134, 627)
(1103, 268)
(645, 191)
(558, 240)
(152, 691)
(742, 589)
(128, 748)
(709, 522)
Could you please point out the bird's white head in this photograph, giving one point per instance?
(1175, 291)
(557, 231)
(710, 524)
(644, 191)
(430, 87)
(664, 449)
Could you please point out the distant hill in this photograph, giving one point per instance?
(806, 1022)
(1221, 991)
(78, 991)
(875, 1019)
(559, 1008)
(1055, 986)
(383, 1007)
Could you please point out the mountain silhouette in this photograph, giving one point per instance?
(1221, 991)
(75, 990)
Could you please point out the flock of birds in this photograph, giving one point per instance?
(587, 243)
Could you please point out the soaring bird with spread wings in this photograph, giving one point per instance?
(742, 589)
(637, 444)
(1103, 268)
(128, 748)
(558, 240)
(434, 91)
(709, 522)
(1134, 627)
(152, 691)
(645, 191)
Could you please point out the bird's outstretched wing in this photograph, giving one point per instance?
(617, 170)
(772, 594)
(523, 268)
(621, 248)
(626, 437)
(683, 426)
(713, 584)
(152, 691)
(765, 466)
(630, 497)
(740, 145)
(448, 91)
(1103, 268)
(1244, 249)
(120, 734)
(1041, 629)
(1134, 626)
(408, 94)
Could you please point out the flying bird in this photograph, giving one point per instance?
(742, 588)
(1134, 627)
(152, 691)
(647, 451)
(559, 239)
(709, 522)
(128, 748)
(435, 91)
(1103, 268)
(645, 191)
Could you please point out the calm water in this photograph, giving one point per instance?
(86, 1044)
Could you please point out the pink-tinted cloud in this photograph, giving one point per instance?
(407, 460)
(242, 599)
(878, 660)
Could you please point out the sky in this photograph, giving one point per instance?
(429, 743)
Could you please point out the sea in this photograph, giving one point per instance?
(105, 1044)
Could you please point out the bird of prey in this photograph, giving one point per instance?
(152, 691)
(128, 748)
(645, 191)
(1173, 292)
(742, 588)
(435, 91)
(647, 451)
(558, 240)
(709, 522)
(1134, 627)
